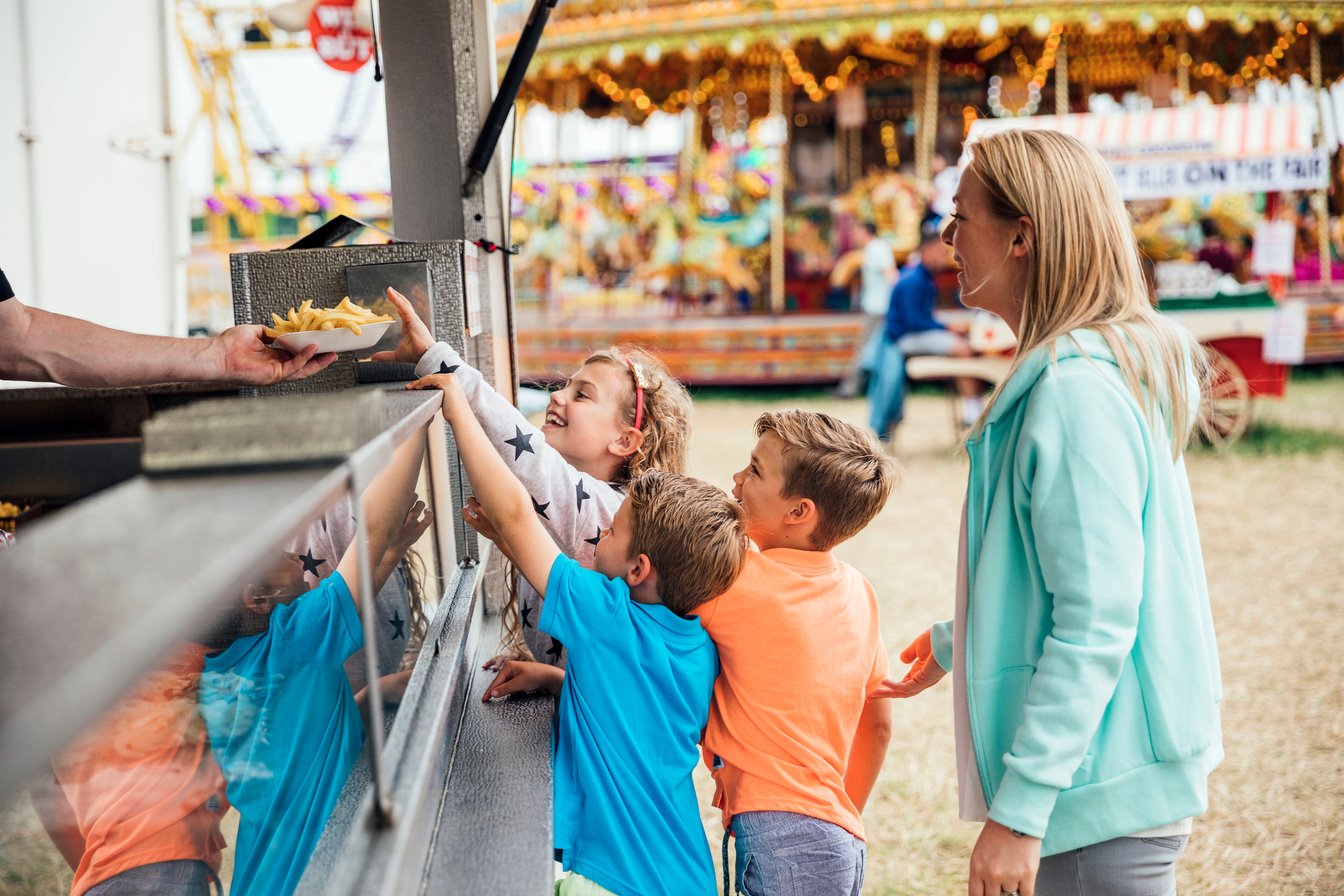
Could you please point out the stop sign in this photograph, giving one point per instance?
(337, 41)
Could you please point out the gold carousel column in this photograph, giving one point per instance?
(926, 128)
(1319, 203)
(1062, 79)
(777, 191)
(1183, 65)
(691, 147)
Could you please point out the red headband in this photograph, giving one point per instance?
(640, 385)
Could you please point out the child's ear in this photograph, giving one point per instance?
(641, 567)
(627, 443)
(802, 513)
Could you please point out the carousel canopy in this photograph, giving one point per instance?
(612, 57)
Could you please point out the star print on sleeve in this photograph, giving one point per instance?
(554, 650)
(444, 368)
(522, 442)
(579, 494)
(398, 626)
(595, 539)
(540, 508)
(525, 613)
(310, 563)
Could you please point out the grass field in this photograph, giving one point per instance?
(1271, 513)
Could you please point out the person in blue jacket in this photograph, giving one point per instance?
(1086, 678)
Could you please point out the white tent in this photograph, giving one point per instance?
(1195, 150)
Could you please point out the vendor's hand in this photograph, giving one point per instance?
(415, 336)
(516, 677)
(923, 673)
(454, 399)
(1003, 862)
(473, 514)
(245, 358)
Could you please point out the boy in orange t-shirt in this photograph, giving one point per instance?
(794, 746)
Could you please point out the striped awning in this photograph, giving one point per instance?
(1195, 150)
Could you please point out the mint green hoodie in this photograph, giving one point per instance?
(1093, 680)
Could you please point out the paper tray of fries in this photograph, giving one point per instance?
(347, 327)
(18, 512)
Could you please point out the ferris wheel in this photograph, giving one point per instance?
(218, 36)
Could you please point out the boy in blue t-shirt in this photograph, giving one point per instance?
(635, 697)
(277, 704)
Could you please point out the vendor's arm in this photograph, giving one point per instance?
(573, 500)
(1081, 458)
(43, 346)
(523, 537)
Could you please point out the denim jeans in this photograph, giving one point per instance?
(886, 389)
(786, 854)
(1125, 866)
(181, 877)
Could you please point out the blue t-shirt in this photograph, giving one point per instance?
(632, 709)
(285, 729)
(912, 298)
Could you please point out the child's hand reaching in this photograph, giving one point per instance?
(521, 678)
(924, 671)
(473, 514)
(454, 399)
(415, 336)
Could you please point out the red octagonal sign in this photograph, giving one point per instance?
(337, 41)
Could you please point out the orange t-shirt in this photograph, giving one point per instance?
(142, 782)
(799, 652)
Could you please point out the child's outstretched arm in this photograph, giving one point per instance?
(504, 498)
(387, 501)
(577, 505)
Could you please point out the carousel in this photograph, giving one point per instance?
(800, 119)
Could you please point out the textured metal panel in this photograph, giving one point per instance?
(273, 282)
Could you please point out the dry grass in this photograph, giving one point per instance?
(1273, 533)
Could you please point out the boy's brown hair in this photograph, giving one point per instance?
(840, 468)
(693, 533)
(666, 418)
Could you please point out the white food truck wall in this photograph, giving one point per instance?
(88, 229)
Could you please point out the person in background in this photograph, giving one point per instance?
(878, 273)
(1214, 251)
(42, 346)
(913, 330)
(1086, 677)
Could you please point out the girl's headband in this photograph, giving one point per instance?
(640, 385)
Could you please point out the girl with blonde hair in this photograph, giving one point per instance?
(621, 413)
(1086, 674)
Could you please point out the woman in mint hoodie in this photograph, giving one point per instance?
(1086, 681)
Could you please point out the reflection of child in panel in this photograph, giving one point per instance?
(794, 747)
(621, 413)
(634, 697)
(282, 719)
(134, 803)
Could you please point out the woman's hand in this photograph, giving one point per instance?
(1003, 862)
(517, 677)
(415, 336)
(923, 673)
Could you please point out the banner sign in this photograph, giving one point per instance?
(1158, 178)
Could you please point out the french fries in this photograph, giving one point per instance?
(8, 510)
(347, 314)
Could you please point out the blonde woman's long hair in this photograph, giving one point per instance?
(1084, 271)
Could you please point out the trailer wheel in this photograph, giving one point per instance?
(1228, 413)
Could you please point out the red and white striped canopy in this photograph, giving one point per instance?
(1194, 150)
